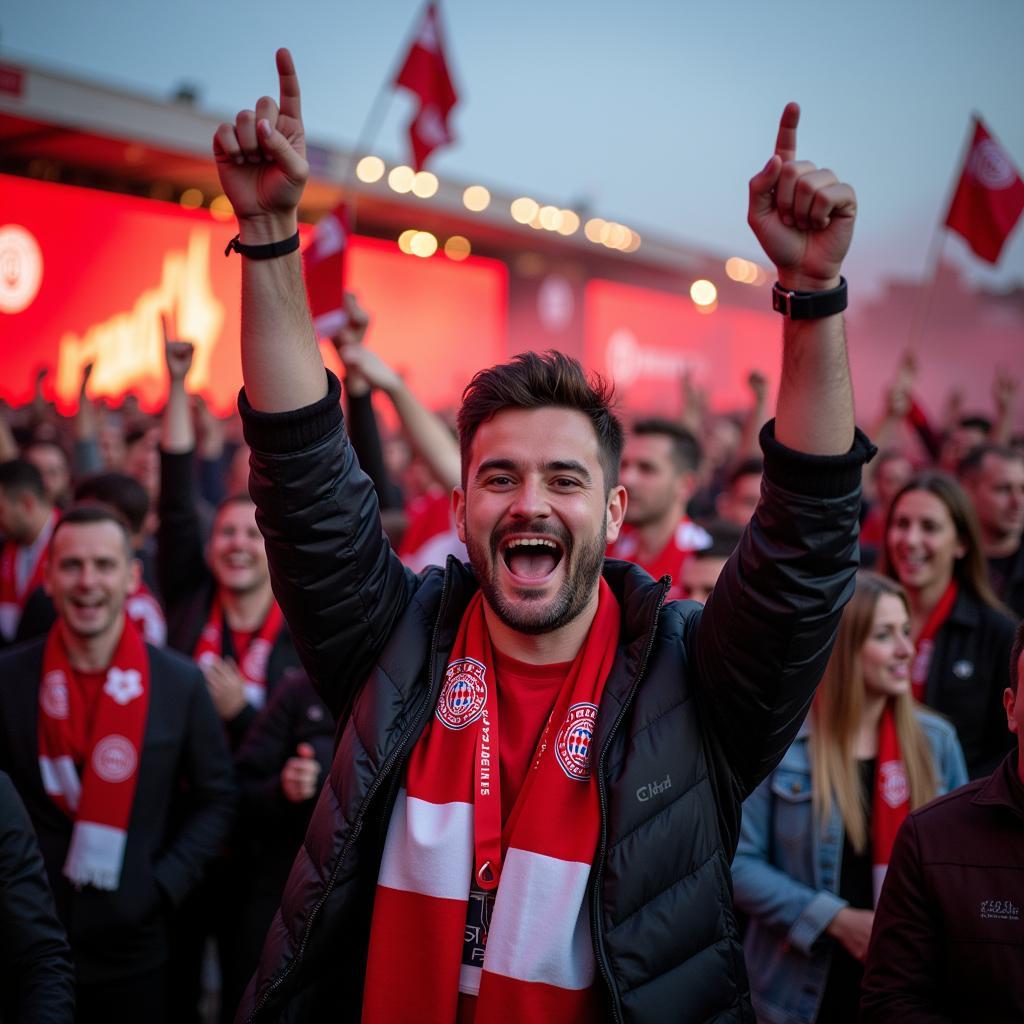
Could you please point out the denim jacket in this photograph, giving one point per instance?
(786, 877)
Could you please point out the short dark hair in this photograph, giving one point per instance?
(975, 422)
(238, 498)
(120, 491)
(972, 462)
(86, 513)
(1016, 651)
(19, 475)
(686, 452)
(753, 465)
(533, 380)
(724, 538)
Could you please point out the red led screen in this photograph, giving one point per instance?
(645, 340)
(85, 275)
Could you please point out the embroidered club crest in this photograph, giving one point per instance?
(572, 747)
(114, 758)
(463, 695)
(53, 694)
(895, 787)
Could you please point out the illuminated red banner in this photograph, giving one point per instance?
(85, 276)
(645, 340)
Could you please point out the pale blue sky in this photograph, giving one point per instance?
(653, 112)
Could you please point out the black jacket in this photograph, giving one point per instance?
(182, 811)
(1013, 585)
(707, 702)
(969, 670)
(37, 981)
(948, 939)
(187, 585)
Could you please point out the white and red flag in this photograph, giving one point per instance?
(425, 73)
(325, 271)
(989, 197)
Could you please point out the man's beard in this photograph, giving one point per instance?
(572, 597)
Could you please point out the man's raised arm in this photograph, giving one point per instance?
(261, 160)
(803, 217)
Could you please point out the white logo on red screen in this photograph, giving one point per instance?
(463, 695)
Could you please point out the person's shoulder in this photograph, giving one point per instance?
(936, 728)
(172, 668)
(25, 653)
(941, 813)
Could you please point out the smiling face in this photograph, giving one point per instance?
(534, 516)
(888, 650)
(236, 552)
(922, 541)
(997, 493)
(90, 573)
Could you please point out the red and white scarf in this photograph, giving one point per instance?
(445, 846)
(13, 597)
(926, 641)
(145, 611)
(91, 774)
(891, 801)
(252, 662)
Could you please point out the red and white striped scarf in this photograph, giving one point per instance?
(252, 662)
(891, 801)
(99, 795)
(445, 845)
(925, 644)
(145, 611)
(13, 597)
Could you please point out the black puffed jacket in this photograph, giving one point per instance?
(697, 709)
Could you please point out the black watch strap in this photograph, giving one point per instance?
(809, 305)
(263, 252)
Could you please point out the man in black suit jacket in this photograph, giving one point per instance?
(182, 804)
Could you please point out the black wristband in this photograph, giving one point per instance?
(263, 252)
(809, 305)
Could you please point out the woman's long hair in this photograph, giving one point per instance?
(970, 570)
(836, 714)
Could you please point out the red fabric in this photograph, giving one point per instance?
(686, 538)
(428, 514)
(101, 731)
(425, 73)
(926, 641)
(145, 611)
(989, 197)
(420, 920)
(12, 600)
(252, 656)
(324, 269)
(891, 802)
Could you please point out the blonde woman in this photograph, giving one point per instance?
(817, 832)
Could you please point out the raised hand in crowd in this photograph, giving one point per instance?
(225, 684)
(301, 775)
(209, 429)
(757, 382)
(695, 403)
(803, 217)
(1005, 388)
(178, 432)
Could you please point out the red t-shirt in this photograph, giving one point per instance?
(240, 640)
(89, 685)
(526, 695)
(687, 538)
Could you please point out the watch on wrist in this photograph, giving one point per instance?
(809, 305)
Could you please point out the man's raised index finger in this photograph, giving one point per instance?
(290, 101)
(785, 142)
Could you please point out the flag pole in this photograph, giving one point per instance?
(935, 247)
(378, 111)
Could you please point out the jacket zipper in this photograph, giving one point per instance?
(595, 883)
(357, 825)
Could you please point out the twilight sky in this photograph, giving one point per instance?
(654, 113)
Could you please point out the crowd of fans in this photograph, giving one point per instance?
(922, 662)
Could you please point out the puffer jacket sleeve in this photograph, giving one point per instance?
(766, 633)
(334, 574)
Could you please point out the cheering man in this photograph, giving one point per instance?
(535, 796)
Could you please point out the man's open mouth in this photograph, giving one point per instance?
(531, 559)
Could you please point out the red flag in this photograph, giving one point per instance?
(989, 198)
(325, 271)
(425, 73)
